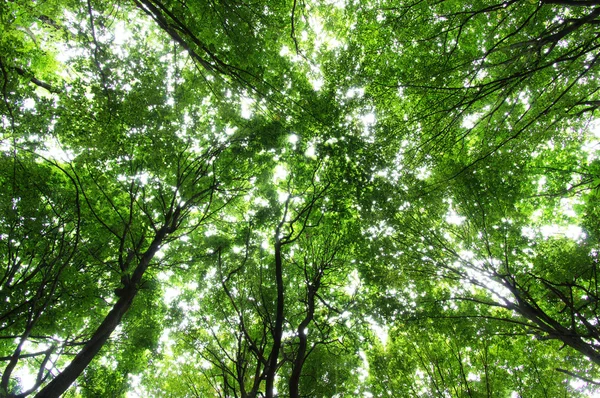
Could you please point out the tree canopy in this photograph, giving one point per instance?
(305, 198)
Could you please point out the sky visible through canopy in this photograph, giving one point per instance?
(299, 198)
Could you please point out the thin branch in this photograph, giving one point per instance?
(587, 380)
(36, 81)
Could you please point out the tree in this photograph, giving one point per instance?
(133, 200)
(548, 283)
(496, 262)
(478, 77)
(42, 233)
(299, 198)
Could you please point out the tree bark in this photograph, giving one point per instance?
(294, 382)
(278, 330)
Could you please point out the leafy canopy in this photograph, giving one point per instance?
(303, 198)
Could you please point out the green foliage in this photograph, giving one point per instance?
(366, 198)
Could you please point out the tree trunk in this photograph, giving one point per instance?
(294, 382)
(278, 331)
(61, 383)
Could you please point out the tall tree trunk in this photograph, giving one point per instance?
(61, 383)
(294, 382)
(278, 331)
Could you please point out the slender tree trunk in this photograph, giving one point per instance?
(278, 331)
(61, 383)
(14, 359)
(294, 382)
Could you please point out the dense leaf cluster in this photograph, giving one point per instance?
(303, 198)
